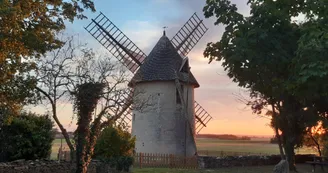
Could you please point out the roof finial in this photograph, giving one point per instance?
(164, 34)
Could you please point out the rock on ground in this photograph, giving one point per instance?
(281, 167)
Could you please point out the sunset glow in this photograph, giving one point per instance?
(142, 21)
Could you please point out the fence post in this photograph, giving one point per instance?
(170, 160)
(140, 160)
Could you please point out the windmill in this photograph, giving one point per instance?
(120, 46)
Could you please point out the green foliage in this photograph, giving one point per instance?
(281, 62)
(114, 142)
(28, 136)
(115, 145)
(28, 30)
(14, 94)
(311, 63)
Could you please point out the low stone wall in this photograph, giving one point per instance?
(210, 162)
(50, 166)
(205, 162)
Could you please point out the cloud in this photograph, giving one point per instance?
(143, 33)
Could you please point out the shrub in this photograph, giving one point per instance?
(115, 146)
(114, 142)
(28, 136)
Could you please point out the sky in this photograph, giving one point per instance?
(143, 21)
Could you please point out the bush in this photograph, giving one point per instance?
(115, 145)
(114, 142)
(28, 137)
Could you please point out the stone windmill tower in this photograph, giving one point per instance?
(166, 124)
(170, 118)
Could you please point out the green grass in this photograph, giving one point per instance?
(254, 169)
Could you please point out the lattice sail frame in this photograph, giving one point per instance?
(116, 42)
(122, 112)
(189, 35)
(202, 117)
(119, 45)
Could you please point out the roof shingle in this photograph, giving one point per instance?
(162, 64)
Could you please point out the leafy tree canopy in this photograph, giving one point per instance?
(28, 30)
(270, 39)
(279, 59)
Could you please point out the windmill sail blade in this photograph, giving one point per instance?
(116, 42)
(188, 36)
(202, 117)
(121, 113)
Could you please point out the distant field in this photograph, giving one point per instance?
(55, 147)
(210, 146)
(217, 147)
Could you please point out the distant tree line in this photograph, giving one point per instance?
(59, 135)
(224, 137)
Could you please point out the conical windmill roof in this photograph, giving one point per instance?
(162, 64)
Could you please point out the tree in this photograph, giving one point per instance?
(99, 83)
(53, 77)
(28, 136)
(61, 75)
(28, 30)
(310, 64)
(259, 52)
(87, 96)
(315, 138)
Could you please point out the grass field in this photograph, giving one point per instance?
(214, 147)
(254, 146)
(255, 169)
(55, 147)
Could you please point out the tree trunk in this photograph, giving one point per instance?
(81, 147)
(54, 116)
(274, 114)
(62, 129)
(282, 154)
(316, 143)
(290, 154)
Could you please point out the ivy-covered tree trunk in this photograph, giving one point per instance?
(83, 135)
(87, 96)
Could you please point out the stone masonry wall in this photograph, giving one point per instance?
(50, 166)
(209, 162)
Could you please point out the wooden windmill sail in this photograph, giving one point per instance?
(120, 46)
